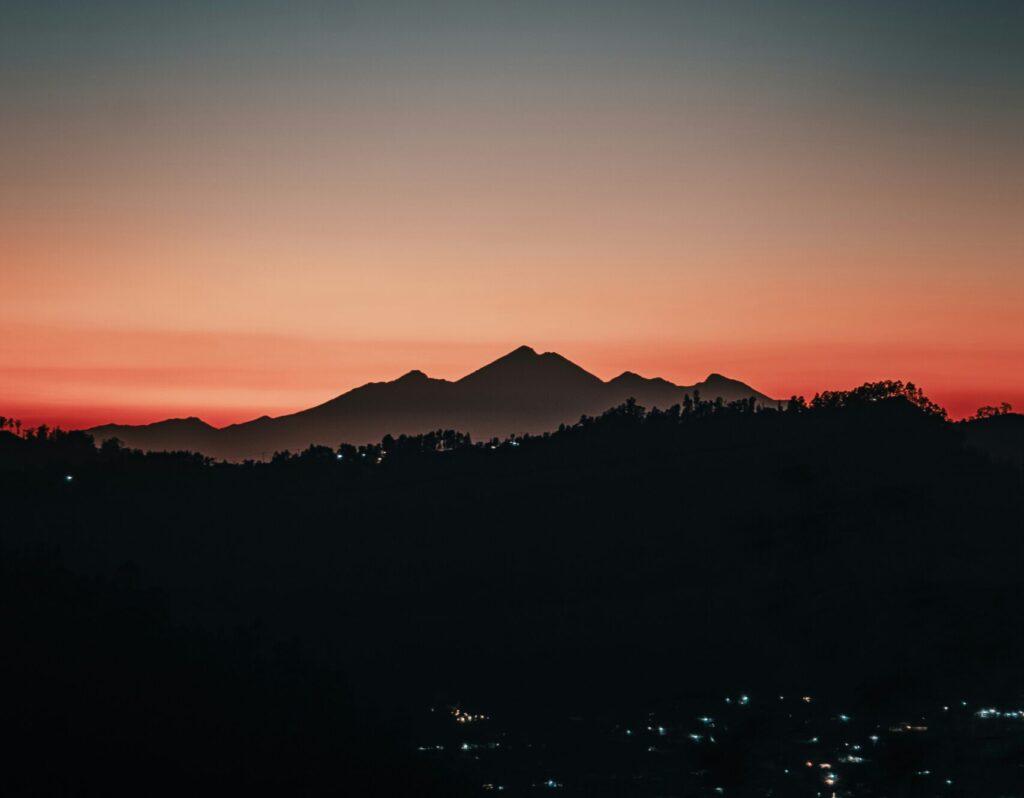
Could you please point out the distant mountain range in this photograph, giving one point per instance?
(519, 393)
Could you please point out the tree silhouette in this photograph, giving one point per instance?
(989, 411)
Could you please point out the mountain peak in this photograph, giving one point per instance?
(189, 422)
(719, 385)
(632, 379)
(525, 368)
(629, 380)
(413, 376)
(521, 354)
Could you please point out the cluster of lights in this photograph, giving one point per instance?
(987, 714)
(908, 727)
(466, 717)
(822, 771)
(378, 459)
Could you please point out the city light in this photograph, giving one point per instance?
(830, 754)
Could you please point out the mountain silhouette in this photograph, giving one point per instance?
(523, 372)
(521, 392)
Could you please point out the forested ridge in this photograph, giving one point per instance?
(858, 543)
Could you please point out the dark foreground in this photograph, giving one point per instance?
(177, 625)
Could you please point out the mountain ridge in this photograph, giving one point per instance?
(523, 391)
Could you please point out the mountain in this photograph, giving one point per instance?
(172, 434)
(523, 391)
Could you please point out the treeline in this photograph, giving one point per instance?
(43, 445)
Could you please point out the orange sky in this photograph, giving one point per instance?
(259, 222)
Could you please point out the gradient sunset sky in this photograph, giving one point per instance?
(226, 209)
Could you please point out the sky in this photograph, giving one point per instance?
(236, 208)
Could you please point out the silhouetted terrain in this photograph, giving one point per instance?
(1002, 436)
(859, 546)
(522, 392)
(104, 695)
